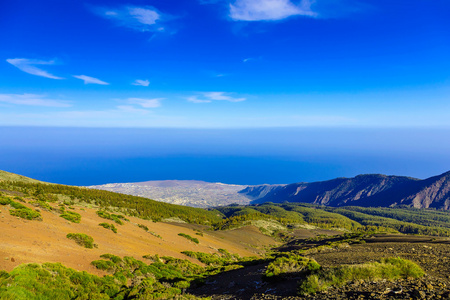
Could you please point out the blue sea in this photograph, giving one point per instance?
(88, 156)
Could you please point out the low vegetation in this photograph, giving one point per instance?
(290, 263)
(114, 217)
(82, 239)
(129, 205)
(19, 210)
(109, 226)
(143, 227)
(71, 216)
(187, 236)
(388, 269)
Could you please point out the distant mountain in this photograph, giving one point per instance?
(362, 190)
(255, 192)
(183, 192)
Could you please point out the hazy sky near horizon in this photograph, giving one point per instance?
(87, 156)
(225, 64)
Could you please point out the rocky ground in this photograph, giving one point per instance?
(431, 254)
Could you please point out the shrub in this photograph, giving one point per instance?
(195, 240)
(109, 226)
(104, 265)
(19, 199)
(17, 205)
(116, 218)
(290, 263)
(82, 239)
(42, 204)
(155, 234)
(389, 269)
(143, 227)
(4, 200)
(115, 259)
(26, 213)
(71, 216)
(54, 281)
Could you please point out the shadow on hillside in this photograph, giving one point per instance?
(244, 284)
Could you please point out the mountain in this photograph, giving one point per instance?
(363, 190)
(182, 192)
(255, 192)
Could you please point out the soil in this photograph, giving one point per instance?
(24, 241)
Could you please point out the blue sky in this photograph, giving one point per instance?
(237, 91)
(225, 64)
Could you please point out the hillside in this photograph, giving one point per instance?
(63, 242)
(15, 177)
(365, 190)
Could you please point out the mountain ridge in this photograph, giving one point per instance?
(368, 190)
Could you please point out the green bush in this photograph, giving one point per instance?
(389, 269)
(17, 205)
(4, 200)
(109, 226)
(42, 204)
(290, 263)
(82, 239)
(143, 227)
(195, 240)
(115, 259)
(71, 216)
(55, 281)
(104, 265)
(26, 213)
(116, 218)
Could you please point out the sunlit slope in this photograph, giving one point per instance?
(44, 239)
(15, 177)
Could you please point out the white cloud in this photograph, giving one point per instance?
(141, 82)
(194, 99)
(208, 97)
(146, 103)
(88, 80)
(32, 100)
(145, 18)
(268, 10)
(222, 96)
(27, 65)
(144, 15)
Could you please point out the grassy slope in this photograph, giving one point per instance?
(15, 177)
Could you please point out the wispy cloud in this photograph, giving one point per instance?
(141, 82)
(32, 100)
(250, 59)
(146, 103)
(208, 97)
(268, 10)
(140, 18)
(131, 109)
(28, 66)
(88, 80)
(194, 99)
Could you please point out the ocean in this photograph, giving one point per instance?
(90, 156)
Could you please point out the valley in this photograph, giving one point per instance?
(131, 247)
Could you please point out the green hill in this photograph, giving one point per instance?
(14, 177)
